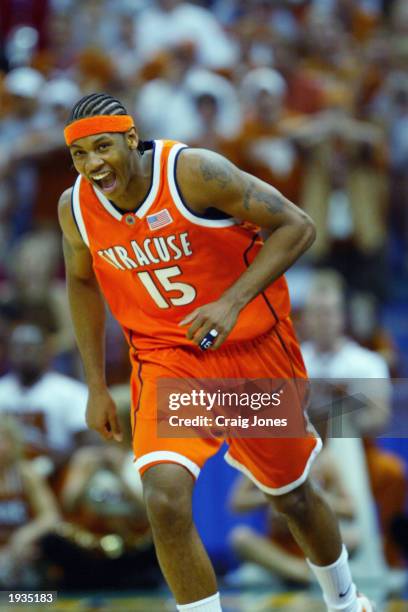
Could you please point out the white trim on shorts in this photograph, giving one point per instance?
(168, 457)
(281, 490)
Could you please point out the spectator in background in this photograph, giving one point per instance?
(60, 54)
(330, 58)
(4, 358)
(344, 189)
(262, 147)
(105, 541)
(28, 144)
(254, 34)
(170, 22)
(304, 94)
(96, 23)
(170, 106)
(125, 55)
(56, 98)
(49, 406)
(216, 108)
(390, 107)
(18, 176)
(164, 106)
(31, 13)
(28, 510)
(330, 354)
(95, 69)
(365, 329)
(33, 294)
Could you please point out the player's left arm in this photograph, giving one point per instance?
(207, 179)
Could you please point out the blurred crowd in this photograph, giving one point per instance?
(309, 95)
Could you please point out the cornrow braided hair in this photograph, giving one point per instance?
(99, 104)
(96, 104)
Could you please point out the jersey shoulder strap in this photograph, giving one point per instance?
(77, 211)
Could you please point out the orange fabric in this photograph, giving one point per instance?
(153, 278)
(274, 462)
(97, 125)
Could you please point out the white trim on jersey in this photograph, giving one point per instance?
(158, 148)
(169, 457)
(77, 212)
(171, 177)
(151, 196)
(280, 490)
(107, 205)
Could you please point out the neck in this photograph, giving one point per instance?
(141, 171)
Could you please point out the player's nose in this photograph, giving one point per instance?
(93, 163)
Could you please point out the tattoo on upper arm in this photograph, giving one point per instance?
(247, 195)
(274, 202)
(214, 172)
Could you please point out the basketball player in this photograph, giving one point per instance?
(153, 228)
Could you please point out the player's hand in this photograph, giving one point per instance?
(220, 316)
(101, 414)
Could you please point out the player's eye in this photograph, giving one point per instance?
(78, 154)
(103, 146)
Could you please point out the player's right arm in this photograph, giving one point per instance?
(88, 316)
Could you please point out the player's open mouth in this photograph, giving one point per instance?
(105, 181)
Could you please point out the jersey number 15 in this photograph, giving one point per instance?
(163, 276)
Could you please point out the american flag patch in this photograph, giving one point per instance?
(160, 219)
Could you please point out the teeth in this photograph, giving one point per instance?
(99, 177)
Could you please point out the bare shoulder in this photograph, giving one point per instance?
(64, 209)
(204, 176)
(206, 165)
(64, 201)
(207, 179)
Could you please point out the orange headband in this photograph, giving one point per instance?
(97, 125)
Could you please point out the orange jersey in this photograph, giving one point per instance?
(157, 264)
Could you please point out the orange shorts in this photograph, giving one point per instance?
(275, 465)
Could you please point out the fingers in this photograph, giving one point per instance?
(115, 426)
(190, 317)
(203, 320)
(203, 330)
(199, 328)
(196, 329)
(109, 428)
(105, 431)
(100, 426)
(219, 340)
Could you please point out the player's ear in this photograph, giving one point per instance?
(132, 139)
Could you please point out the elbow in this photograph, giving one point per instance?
(307, 228)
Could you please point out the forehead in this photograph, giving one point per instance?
(88, 142)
